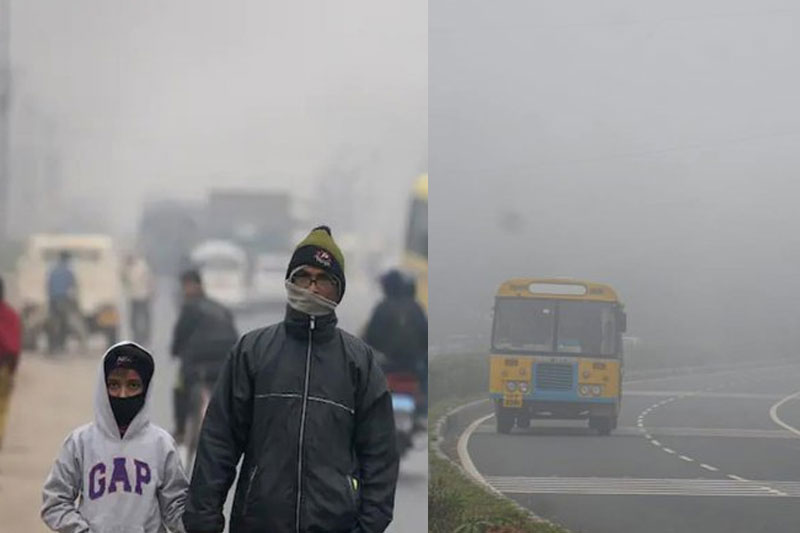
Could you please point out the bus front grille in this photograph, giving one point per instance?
(553, 376)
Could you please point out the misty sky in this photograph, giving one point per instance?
(148, 98)
(648, 144)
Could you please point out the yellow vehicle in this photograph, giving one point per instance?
(416, 248)
(556, 353)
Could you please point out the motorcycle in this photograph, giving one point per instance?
(406, 398)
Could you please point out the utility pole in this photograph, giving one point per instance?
(5, 111)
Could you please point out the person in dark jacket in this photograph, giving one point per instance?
(398, 327)
(307, 405)
(202, 338)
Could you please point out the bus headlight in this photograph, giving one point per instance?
(511, 386)
(596, 390)
(584, 390)
(523, 387)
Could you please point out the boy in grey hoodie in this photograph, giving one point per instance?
(124, 471)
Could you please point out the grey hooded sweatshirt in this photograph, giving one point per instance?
(130, 484)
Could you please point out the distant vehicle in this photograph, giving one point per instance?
(415, 257)
(257, 220)
(223, 267)
(168, 230)
(96, 268)
(556, 353)
(268, 277)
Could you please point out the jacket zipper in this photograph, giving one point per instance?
(352, 490)
(311, 326)
(249, 489)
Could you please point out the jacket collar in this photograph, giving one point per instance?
(297, 325)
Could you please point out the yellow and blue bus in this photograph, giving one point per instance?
(556, 353)
(416, 246)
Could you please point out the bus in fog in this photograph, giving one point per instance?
(556, 353)
(416, 246)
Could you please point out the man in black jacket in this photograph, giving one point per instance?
(202, 338)
(307, 405)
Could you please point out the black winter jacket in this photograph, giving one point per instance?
(204, 332)
(308, 406)
(398, 328)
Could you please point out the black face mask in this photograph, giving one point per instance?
(125, 409)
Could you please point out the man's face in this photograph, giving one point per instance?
(124, 383)
(191, 289)
(317, 281)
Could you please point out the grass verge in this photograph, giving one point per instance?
(456, 504)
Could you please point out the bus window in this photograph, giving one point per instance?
(521, 324)
(586, 328)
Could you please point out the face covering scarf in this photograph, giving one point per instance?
(125, 409)
(308, 302)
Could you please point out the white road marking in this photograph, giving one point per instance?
(463, 454)
(642, 486)
(687, 459)
(650, 432)
(670, 451)
(773, 413)
(709, 467)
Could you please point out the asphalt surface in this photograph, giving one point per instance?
(715, 453)
(411, 509)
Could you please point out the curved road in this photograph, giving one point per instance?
(714, 453)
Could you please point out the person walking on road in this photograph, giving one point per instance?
(140, 286)
(120, 473)
(203, 336)
(10, 347)
(62, 292)
(307, 405)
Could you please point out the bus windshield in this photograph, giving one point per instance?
(551, 326)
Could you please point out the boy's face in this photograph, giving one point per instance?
(124, 383)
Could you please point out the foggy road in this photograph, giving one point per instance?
(712, 453)
(412, 494)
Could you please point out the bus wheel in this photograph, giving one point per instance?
(505, 419)
(603, 424)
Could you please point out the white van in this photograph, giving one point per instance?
(223, 267)
(269, 277)
(96, 267)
